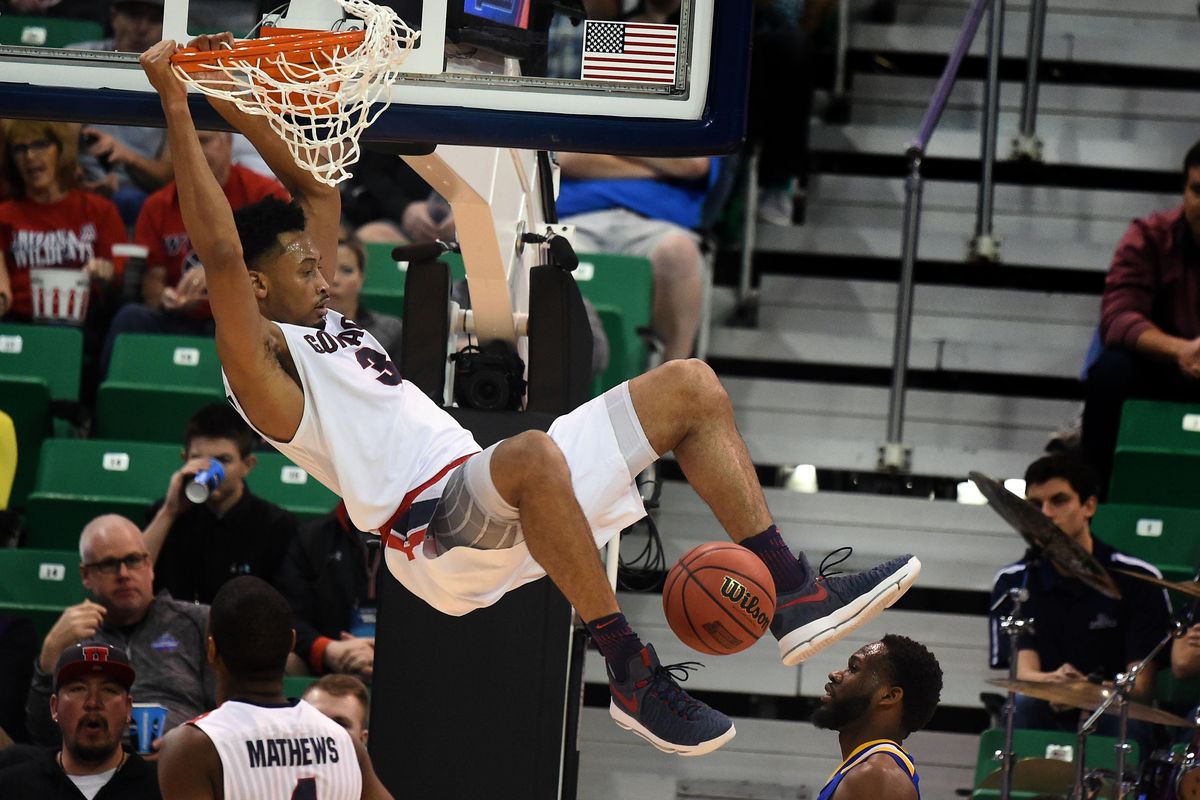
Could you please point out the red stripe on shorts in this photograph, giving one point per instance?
(411, 496)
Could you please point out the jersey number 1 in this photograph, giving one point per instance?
(306, 789)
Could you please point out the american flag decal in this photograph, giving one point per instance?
(632, 52)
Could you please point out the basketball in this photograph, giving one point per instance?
(719, 598)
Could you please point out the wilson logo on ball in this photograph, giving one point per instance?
(739, 596)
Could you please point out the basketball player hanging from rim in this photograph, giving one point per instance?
(462, 527)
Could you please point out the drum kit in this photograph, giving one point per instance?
(1167, 775)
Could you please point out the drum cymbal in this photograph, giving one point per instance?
(1088, 696)
(1191, 588)
(1044, 535)
(1041, 775)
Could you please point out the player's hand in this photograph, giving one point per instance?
(1189, 359)
(351, 654)
(5, 296)
(206, 44)
(156, 62)
(77, 622)
(100, 269)
(418, 223)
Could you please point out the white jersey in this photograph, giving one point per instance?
(373, 438)
(279, 753)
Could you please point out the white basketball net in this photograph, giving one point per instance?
(318, 110)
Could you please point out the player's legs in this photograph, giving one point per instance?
(527, 480)
(683, 408)
(531, 474)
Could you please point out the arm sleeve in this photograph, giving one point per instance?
(1129, 289)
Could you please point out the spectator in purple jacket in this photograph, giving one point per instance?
(1149, 319)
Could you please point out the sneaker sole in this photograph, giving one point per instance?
(627, 722)
(814, 637)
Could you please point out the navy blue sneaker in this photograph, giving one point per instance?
(651, 704)
(824, 610)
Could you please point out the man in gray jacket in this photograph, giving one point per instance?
(165, 638)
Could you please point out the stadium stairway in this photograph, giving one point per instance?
(997, 351)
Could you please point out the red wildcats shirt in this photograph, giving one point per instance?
(160, 224)
(46, 247)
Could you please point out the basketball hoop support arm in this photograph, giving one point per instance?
(493, 194)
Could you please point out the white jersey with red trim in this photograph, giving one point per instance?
(367, 434)
(281, 753)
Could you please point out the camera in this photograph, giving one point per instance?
(489, 378)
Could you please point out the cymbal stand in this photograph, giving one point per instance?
(1120, 694)
(1012, 625)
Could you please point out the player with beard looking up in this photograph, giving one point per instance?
(888, 690)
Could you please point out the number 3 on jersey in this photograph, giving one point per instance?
(373, 359)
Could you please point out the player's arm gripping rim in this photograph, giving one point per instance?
(248, 346)
(322, 204)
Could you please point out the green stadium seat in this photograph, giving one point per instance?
(53, 354)
(278, 480)
(622, 289)
(1162, 535)
(1157, 457)
(155, 384)
(1042, 744)
(80, 479)
(47, 31)
(39, 584)
(1154, 424)
(27, 401)
(383, 283)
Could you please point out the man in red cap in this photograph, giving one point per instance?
(92, 706)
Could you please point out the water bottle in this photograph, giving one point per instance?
(205, 482)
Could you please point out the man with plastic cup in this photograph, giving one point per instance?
(202, 533)
(92, 707)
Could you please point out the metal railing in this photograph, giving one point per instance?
(895, 454)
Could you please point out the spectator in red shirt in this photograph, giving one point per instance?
(174, 293)
(56, 240)
(1149, 319)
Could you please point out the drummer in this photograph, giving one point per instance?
(1078, 632)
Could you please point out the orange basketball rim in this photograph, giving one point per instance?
(281, 55)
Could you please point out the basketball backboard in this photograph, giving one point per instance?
(504, 73)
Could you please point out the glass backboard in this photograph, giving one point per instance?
(510, 73)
